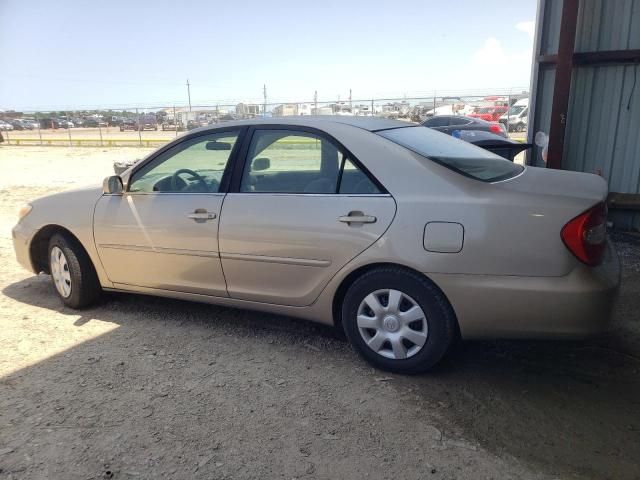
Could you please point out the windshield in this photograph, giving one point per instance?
(456, 155)
(516, 109)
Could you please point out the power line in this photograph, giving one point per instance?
(94, 81)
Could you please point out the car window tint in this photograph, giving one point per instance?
(440, 121)
(355, 181)
(459, 121)
(195, 165)
(456, 155)
(289, 161)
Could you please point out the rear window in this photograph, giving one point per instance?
(456, 155)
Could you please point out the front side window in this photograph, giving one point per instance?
(289, 161)
(516, 109)
(195, 165)
(456, 155)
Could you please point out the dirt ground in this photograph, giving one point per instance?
(141, 387)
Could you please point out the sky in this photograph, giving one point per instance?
(118, 53)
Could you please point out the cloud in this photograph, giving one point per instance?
(499, 66)
(528, 27)
(491, 53)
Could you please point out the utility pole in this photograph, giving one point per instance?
(315, 102)
(350, 104)
(264, 94)
(189, 93)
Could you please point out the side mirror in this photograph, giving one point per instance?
(112, 185)
(213, 145)
(260, 164)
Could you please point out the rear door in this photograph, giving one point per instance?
(300, 208)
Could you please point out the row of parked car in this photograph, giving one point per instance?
(143, 122)
(50, 122)
(514, 118)
(18, 124)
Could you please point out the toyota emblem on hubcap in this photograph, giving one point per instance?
(391, 324)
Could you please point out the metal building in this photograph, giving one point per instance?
(586, 95)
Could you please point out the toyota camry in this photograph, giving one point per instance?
(401, 236)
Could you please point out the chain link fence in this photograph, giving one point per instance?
(155, 125)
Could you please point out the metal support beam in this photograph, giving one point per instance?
(603, 57)
(619, 57)
(562, 85)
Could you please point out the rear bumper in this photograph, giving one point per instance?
(576, 305)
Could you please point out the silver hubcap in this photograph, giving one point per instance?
(60, 272)
(392, 324)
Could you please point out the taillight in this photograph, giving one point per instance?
(586, 235)
(496, 128)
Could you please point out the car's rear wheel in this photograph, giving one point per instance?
(398, 320)
(72, 272)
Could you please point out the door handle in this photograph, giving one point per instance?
(201, 214)
(357, 217)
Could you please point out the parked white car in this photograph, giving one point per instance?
(5, 126)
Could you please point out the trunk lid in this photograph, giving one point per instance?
(581, 189)
(533, 208)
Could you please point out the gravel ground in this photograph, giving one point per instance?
(141, 387)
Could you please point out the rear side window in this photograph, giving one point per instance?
(289, 161)
(456, 155)
(459, 121)
(437, 122)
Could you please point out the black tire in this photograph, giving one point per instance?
(441, 320)
(85, 286)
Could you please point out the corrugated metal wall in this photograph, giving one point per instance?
(549, 13)
(542, 118)
(603, 121)
(607, 25)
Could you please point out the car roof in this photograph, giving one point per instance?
(477, 120)
(371, 124)
(471, 119)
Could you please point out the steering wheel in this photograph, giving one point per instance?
(194, 176)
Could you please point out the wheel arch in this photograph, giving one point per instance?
(39, 246)
(348, 280)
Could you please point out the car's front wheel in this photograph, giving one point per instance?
(398, 320)
(72, 272)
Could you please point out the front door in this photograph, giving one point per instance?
(162, 232)
(301, 210)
